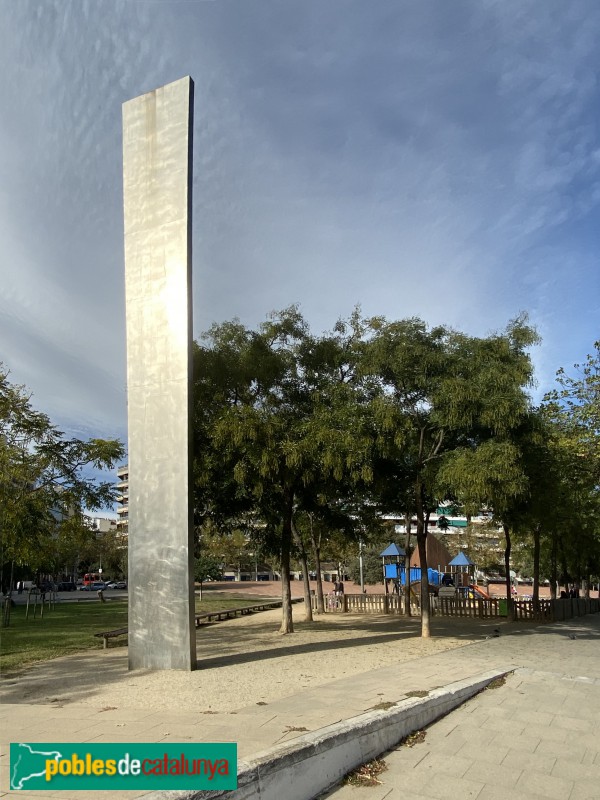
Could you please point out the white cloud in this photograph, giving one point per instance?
(430, 159)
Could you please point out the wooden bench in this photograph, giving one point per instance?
(106, 635)
(209, 616)
(230, 613)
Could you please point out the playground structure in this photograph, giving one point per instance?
(456, 579)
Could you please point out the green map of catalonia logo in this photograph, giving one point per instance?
(57, 766)
(27, 763)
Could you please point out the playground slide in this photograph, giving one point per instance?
(478, 591)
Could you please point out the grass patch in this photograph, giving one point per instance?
(70, 627)
(216, 601)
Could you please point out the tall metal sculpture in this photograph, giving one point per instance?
(157, 187)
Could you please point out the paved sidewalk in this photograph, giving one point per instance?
(535, 737)
(542, 722)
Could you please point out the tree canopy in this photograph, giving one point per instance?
(374, 416)
(45, 479)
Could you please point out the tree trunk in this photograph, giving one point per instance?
(308, 617)
(287, 625)
(507, 551)
(563, 563)
(408, 549)
(586, 586)
(316, 546)
(553, 567)
(536, 567)
(422, 545)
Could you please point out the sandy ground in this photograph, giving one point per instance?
(241, 662)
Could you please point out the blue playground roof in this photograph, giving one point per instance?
(393, 550)
(461, 560)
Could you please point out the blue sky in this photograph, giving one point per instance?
(420, 158)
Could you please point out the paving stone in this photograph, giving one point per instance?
(435, 763)
(551, 786)
(494, 774)
(527, 742)
(560, 750)
(574, 724)
(486, 754)
(585, 790)
(491, 792)
(574, 771)
(451, 788)
(531, 716)
(524, 761)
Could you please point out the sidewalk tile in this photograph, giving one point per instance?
(524, 761)
(444, 787)
(494, 774)
(585, 790)
(551, 786)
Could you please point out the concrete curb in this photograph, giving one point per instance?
(311, 763)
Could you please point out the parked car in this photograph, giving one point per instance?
(116, 585)
(66, 586)
(93, 587)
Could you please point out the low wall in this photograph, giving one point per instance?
(311, 763)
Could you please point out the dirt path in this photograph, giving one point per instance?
(241, 662)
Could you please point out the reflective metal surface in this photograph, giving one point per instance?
(157, 186)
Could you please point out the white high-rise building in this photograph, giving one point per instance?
(123, 499)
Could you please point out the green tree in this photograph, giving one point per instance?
(571, 416)
(45, 478)
(444, 396)
(278, 427)
(578, 400)
(207, 568)
(372, 567)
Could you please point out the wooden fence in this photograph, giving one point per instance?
(555, 610)
(543, 611)
(362, 603)
(394, 604)
(465, 607)
(574, 607)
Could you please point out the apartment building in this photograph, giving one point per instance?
(123, 499)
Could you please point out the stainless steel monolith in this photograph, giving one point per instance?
(157, 188)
